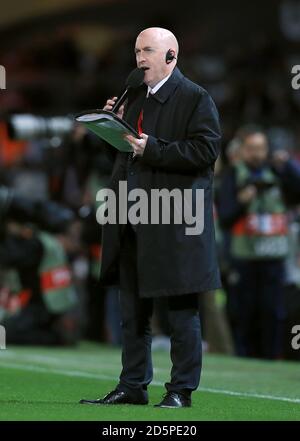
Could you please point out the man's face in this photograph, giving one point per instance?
(254, 150)
(151, 55)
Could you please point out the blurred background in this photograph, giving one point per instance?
(62, 57)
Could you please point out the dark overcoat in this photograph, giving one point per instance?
(184, 135)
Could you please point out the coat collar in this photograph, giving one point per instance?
(168, 88)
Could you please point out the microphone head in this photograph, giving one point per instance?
(135, 78)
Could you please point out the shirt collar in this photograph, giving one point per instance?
(153, 90)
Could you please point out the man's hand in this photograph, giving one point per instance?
(247, 194)
(109, 105)
(138, 145)
(279, 158)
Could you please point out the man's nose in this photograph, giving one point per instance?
(141, 59)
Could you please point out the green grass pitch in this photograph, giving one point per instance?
(45, 384)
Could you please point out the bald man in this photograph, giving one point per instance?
(178, 146)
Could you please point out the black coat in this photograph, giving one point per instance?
(182, 123)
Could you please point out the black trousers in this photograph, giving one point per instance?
(183, 316)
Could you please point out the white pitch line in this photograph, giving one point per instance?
(75, 373)
(68, 373)
(249, 395)
(66, 362)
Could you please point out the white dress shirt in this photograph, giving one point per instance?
(158, 86)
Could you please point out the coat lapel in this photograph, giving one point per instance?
(169, 87)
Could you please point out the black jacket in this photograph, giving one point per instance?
(184, 134)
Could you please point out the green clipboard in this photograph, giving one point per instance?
(109, 127)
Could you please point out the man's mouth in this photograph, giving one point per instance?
(145, 68)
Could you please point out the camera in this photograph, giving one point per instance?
(27, 127)
(47, 215)
(259, 183)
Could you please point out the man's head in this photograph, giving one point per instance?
(254, 146)
(151, 48)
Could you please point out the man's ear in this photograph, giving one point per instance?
(170, 56)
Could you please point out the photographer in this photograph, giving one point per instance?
(36, 296)
(252, 207)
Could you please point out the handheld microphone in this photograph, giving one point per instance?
(134, 80)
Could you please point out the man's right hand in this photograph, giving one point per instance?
(109, 105)
(247, 194)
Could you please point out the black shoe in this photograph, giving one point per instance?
(173, 400)
(120, 397)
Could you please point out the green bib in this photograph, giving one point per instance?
(55, 276)
(262, 232)
(12, 296)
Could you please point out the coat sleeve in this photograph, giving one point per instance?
(200, 148)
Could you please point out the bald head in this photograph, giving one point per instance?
(151, 47)
(162, 36)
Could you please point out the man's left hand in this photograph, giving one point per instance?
(280, 158)
(138, 145)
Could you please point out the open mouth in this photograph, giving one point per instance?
(145, 68)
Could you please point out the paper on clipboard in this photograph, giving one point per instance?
(108, 127)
